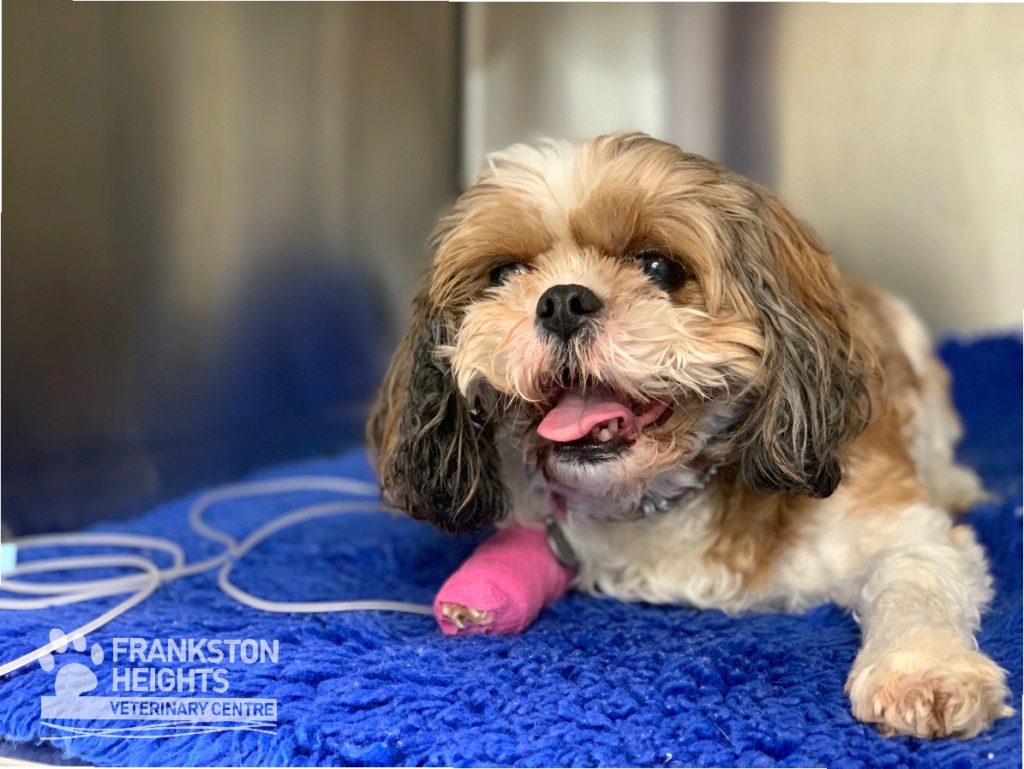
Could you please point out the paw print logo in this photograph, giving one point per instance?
(73, 679)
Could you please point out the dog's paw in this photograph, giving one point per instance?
(928, 691)
(464, 617)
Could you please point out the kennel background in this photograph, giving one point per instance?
(214, 214)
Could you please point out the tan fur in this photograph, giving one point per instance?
(817, 398)
(756, 528)
(753, 530)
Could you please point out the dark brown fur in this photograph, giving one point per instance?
(432, 460)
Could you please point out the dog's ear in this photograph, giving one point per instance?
(811, 397)
(435, 458)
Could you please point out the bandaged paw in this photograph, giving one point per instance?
(502, 586)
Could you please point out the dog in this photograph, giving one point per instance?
(656, 350)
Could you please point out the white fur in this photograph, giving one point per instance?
(915, 582)
(545, 174)
(935, 428)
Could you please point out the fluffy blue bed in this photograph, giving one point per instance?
(593, 682)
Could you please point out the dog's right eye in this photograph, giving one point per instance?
(501, 273)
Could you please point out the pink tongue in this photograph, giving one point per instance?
(575, 415)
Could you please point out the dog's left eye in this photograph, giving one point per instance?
(662, 270)
(501, 273)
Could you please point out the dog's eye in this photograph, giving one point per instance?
(663, 271)
(501, 273)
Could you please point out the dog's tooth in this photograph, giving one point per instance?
(606, 434)
(613, 427)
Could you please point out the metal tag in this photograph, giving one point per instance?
(560, 545)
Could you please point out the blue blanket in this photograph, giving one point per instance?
(593, 682)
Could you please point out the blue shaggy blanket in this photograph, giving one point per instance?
(593, 682)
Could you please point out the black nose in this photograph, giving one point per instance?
(562, 310)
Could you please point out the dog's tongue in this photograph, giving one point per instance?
(575, 415)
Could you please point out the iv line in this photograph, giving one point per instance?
(150, 576)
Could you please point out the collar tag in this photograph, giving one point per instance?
(652, 505)
(559, 544)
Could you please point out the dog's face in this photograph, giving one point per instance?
(617, 315)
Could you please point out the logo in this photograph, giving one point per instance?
(156, 688)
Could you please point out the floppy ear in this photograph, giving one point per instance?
(812, 395)
(434, 459)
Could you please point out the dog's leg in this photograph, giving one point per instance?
(919, 671)
(503, 585)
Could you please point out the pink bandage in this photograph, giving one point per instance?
(509, 579)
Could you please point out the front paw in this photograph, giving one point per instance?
(928, 690)
(464, 617)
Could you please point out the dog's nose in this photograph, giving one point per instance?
(562, 310)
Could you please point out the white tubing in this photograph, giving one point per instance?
(290, 519)
(137, 541)
(89, 627)
(65, 592)
(150, 576)
(263, 488)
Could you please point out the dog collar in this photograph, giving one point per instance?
(559, 544)
(652, 504)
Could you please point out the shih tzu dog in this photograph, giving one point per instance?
(655, 350)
